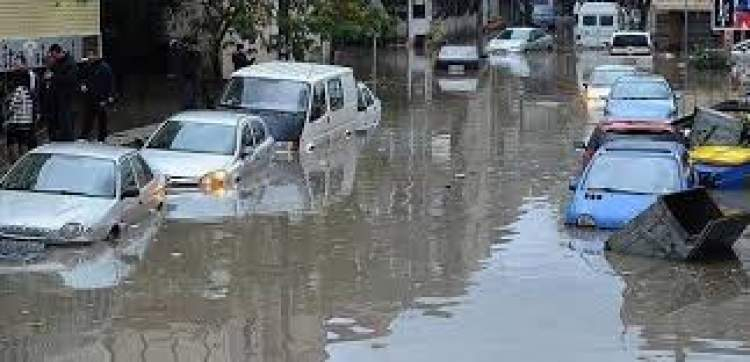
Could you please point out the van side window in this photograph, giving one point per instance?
(369, 98)
(361, 101)
(336, 94)
(589, 20)
(606, 20)
(319, 106)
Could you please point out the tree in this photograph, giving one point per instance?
(206, 23)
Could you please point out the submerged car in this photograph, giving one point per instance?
(458, 58)
(624, 178)
(643, 97)
(520, 40)
(614, 130)
(80, 192)
(600, 83)
(209, 150)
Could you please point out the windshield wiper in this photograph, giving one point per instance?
(617, 191)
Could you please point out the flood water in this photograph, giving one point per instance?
(437, 237)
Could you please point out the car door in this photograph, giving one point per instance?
(336, 105)
(148, 184)
(132, 208)
(319, 120)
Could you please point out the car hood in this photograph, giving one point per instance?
(612, 210)
(49, 211)
(507, 44)
(641, 108)
(185, 164)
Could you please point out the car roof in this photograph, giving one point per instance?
(306, 72)
(523, 29)
(85, 149)
(641, 78)
(643, 146)
(615, 67)
(598, 6)
(228, 118)
(644, 33)
(614, 125)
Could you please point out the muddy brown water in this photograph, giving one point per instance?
(437, 237)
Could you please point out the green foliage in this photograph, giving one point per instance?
(349, 20)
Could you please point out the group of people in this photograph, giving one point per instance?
(32, 99)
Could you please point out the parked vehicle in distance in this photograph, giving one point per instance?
(613, 130)
(519, 40)
(630, 43)
(209, 150)
(300, 102)
(369, 109)
(624, 178)
(76, 192)
(641, 97)
(601, 80)
(457, 58)
(596, 22)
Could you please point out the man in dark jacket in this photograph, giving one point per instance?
(22, 109)
(63, 81)
(97, 87)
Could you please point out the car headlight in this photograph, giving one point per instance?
(71, 231)
(586, 220)
(214, 181)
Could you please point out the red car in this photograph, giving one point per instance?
(611, 130)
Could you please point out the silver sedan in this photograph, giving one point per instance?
(76, 193)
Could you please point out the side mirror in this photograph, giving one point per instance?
(247, 151)
(579, 145)
(573, 183)
(130, 193)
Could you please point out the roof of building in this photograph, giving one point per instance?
(85, 149)
(210, 116)
(308, 72)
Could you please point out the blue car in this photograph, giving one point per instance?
(643, 97)
(624, 178)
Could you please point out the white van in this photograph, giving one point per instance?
(596, 22)
(301, 102)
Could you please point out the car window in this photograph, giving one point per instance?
(636, 172)
(143, 172)
(335, 94)
(127, 175)
(369, 97)
(606, 20)
(589, 20)
(361, 102)
(319, 106)
(630, 40)
(266, 94)
(248, 139)
(196, 137)
(259, 132)
(62, 174)
(641, 90)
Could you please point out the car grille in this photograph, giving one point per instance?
(12, 232)
(178, 182)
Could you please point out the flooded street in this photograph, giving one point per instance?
(437, 237)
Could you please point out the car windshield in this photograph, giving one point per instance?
(626, 173)
(267, 94)
(607, 77)
(640, 90)
(519, 34)
(62, 174)
(195, 137)
(633, 40)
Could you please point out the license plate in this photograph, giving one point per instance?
(456, 68)
(19, 247)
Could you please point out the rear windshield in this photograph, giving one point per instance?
(640, 90)
(632, 40)
(608, 77)
(626, 173)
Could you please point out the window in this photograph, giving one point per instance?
(195, 137)
(589, 20)
(369, 98)
(335, 94)
(418, 9)
(606, 20)
(319, 107)
(127, 176)
(142, 171)
(63, 174)
(361, 101)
